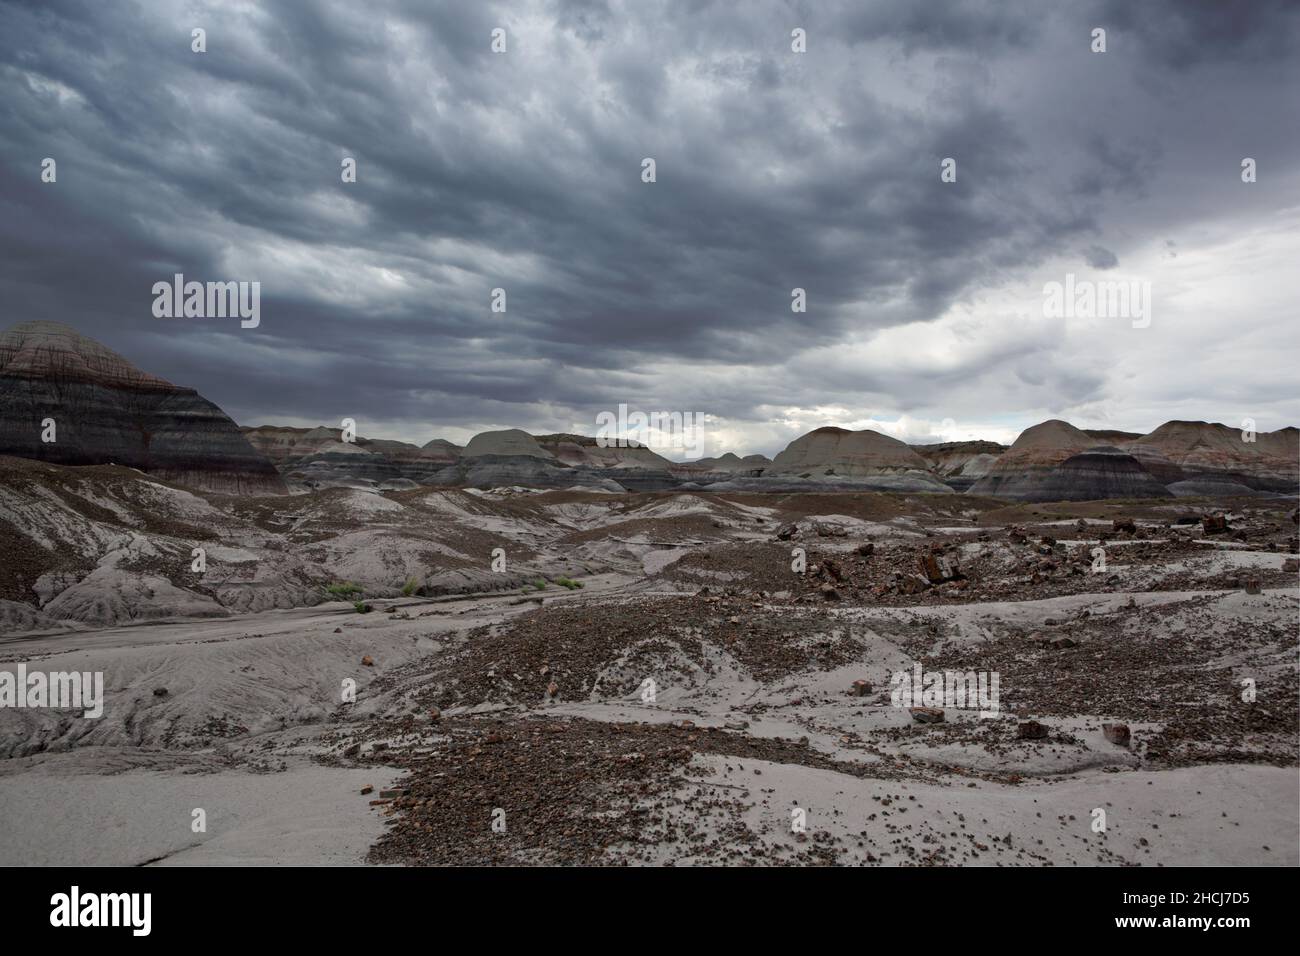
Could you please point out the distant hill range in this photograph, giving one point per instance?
(106, 411)
(1052, 461)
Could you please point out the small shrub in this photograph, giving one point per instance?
(568, 583)
(410, 587)
(343, 590)
(362, 607)
(539, 584)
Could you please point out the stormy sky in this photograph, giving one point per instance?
(774, 170)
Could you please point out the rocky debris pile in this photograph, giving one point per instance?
(536, 791)
(1026, 564)
(1181, 679)
(66, 399)
(569, 653)
(757, 567)
(857, 576)
(577, 652)
(578, 792)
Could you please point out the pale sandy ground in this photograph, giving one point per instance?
(1218, 816)
(309, 815)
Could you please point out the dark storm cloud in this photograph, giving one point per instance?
(522, 171)
(980, 27)
(1185, 33)
(1099, 257)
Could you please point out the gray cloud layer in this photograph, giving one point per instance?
(522, 171)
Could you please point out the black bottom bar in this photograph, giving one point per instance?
(361, 907)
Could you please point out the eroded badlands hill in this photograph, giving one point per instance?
(101, 409)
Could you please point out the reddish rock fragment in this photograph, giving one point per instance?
(1117, 734)
(1031, 730)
